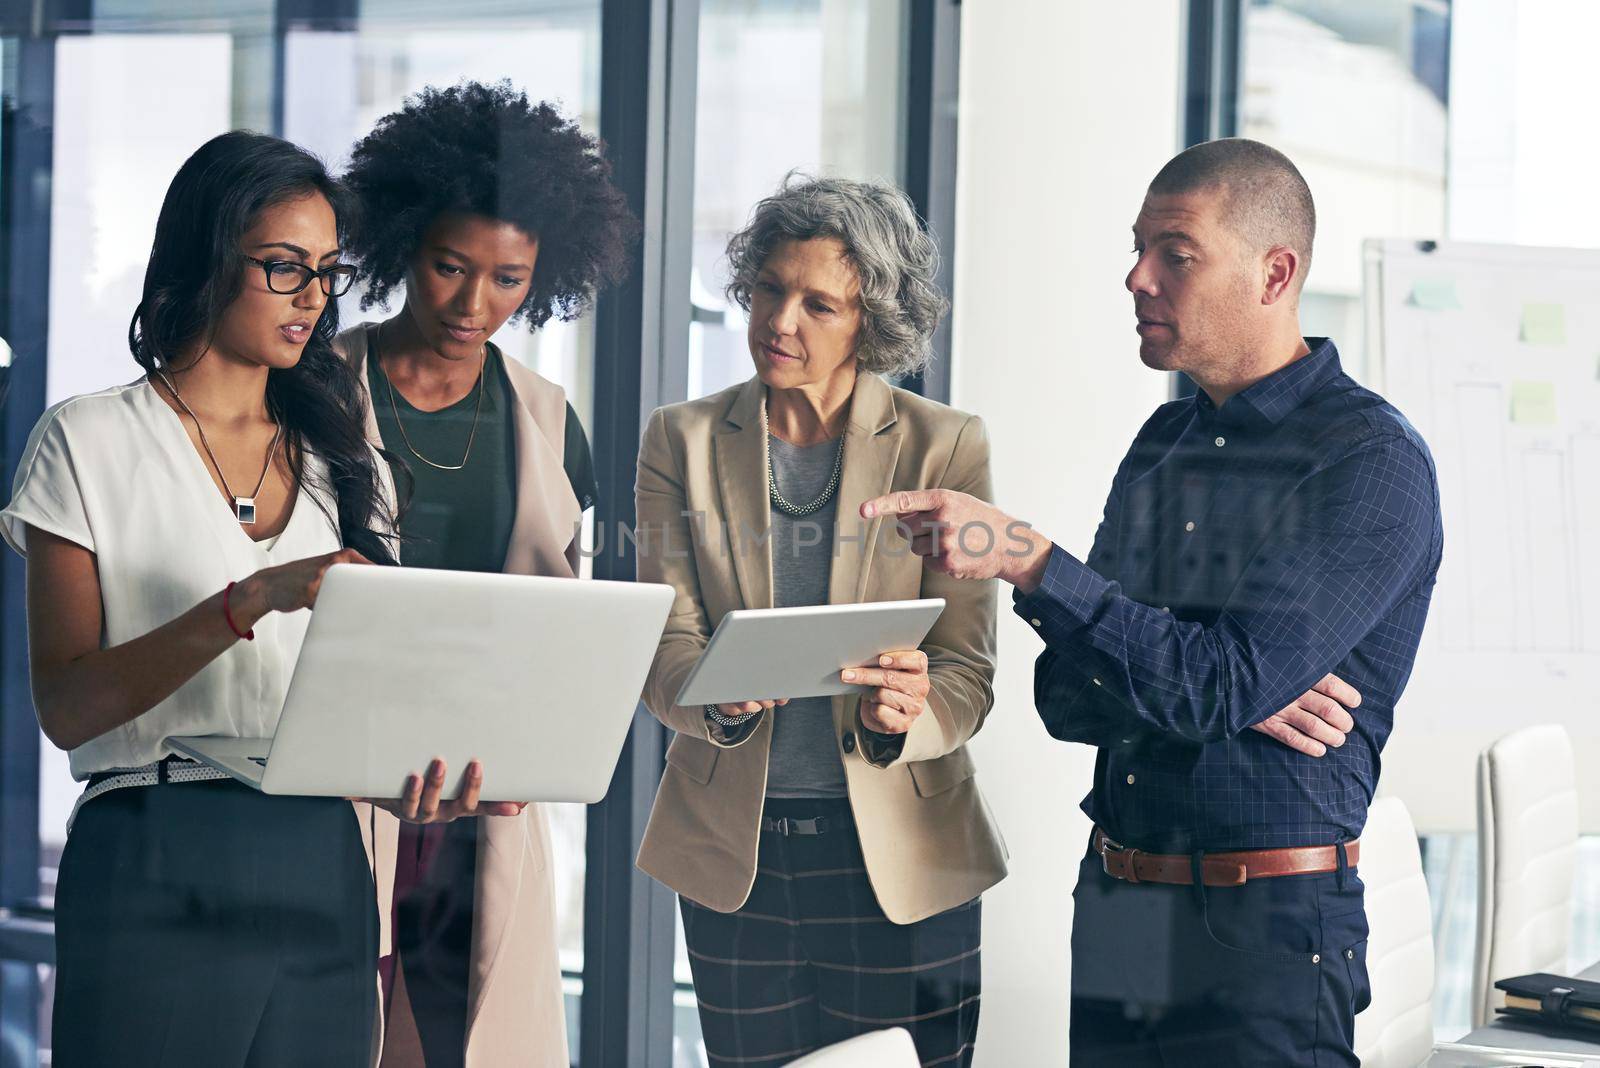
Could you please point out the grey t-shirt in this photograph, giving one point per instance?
(804, 760)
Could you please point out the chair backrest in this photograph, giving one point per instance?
(1527, 856)
(1396, 1030)
(876, 1049)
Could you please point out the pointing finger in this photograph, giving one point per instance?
(900, 503)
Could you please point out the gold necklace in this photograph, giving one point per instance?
(395, 409)
(244, 508)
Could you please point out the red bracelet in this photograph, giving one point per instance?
(247, 635)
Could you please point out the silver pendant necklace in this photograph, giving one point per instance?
(244, 508)
(782, 503)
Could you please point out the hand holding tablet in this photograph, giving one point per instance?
(899, 694)
(767, 654)
(748, 708)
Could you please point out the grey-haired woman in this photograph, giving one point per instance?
(828, 852)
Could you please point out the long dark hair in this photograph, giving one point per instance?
(195, 273)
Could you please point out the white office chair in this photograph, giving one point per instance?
(1396, 1030)
(878, 1049)
(1527, 854)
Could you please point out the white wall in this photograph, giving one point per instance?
(1068, 108)
(1520, 172)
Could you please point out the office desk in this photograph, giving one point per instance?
(1501, 1034)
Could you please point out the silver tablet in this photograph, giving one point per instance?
(771, 653)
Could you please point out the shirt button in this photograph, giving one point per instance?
(1221, 442)
(1166, 608)
(1130, 780)
(1095, 681)
(1035, 622)
(1316, 958)
(1189, 526)
(849, 741)
(1349, 954)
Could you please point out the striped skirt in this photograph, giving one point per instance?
(811, 959)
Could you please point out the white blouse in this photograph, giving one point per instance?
(116, 473)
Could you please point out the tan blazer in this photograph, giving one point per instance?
(929, 839)
(515, 1013)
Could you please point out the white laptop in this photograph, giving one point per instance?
(538, 678)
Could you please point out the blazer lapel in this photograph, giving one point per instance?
(356, 347)
(871, 448)
(544, 524)
(740, 454)
(548, 514)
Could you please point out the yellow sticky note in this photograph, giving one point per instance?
(1435, 294)
(1533, 403)
(1544, 324)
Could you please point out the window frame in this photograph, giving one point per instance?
(1213, 34)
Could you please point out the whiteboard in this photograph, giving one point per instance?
(1493, 353)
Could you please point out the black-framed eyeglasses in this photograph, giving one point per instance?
(288, 277)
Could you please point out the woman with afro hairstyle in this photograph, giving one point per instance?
(488, 209)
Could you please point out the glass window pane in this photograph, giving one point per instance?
(813, 86)
(338, 84)
(831, 106)
(102, 217)
(1354, 91)
(111, 169)
(205, 71)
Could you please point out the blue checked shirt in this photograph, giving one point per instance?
(1246, 551)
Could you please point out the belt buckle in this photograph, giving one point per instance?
(783, 826)
(1109, 845)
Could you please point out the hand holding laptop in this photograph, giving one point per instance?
(419, 801)
(284, 588)
(399, 663)
(295, 585)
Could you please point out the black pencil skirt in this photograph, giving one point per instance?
(206, 923)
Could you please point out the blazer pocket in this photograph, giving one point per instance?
(936, 776)
(694, 757)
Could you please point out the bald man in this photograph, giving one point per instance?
(1280, 525)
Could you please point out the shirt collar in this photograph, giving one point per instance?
(1268, 401)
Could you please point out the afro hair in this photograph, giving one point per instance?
(485, 150)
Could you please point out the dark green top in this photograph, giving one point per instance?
(461, 520)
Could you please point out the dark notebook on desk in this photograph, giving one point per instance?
(1552, 999)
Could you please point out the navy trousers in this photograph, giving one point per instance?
(1269, 973)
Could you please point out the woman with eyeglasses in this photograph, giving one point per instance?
(176, 529)
(488, 209)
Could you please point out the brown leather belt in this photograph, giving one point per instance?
(1218, 869)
